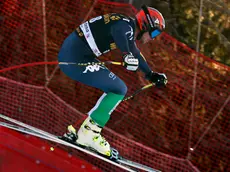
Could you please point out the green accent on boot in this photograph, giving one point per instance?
(101, 115)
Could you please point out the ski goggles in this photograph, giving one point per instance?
(155, 33)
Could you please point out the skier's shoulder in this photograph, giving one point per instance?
(123, 23)
(118, 18)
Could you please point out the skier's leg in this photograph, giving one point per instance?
(115, 90)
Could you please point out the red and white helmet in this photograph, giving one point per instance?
(150, 20)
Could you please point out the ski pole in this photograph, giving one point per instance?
(61, 63)
(138, 91)
(92, 63)
(109, 62)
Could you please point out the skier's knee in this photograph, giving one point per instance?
(124, 90)
(121, 90)
(118, 87)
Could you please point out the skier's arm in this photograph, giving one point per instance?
(143, 64)
(124, 39)
(123, 36)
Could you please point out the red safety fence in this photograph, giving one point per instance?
(184, 127)
(20, 152)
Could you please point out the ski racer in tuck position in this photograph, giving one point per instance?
(86, 44)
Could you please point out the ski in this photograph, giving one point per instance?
(114, 159)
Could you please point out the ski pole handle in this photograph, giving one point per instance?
(92, 63)
(138, 91)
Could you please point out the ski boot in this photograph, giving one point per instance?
(89, 136)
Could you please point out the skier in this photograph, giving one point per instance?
(86, 44)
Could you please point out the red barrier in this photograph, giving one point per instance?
(19, 152)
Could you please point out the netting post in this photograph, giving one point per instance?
(90, 11)
(45, 37)
(194, 83)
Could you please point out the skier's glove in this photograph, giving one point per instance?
(159, 79)
(130, 62)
